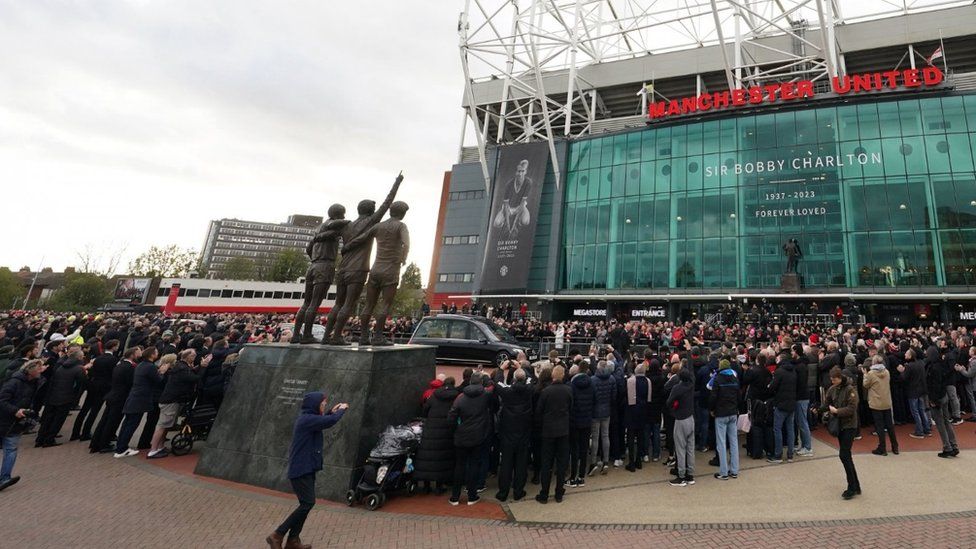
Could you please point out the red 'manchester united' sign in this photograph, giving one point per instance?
(792, 91)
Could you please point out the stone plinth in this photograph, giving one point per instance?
(790, 283)
(250, 438)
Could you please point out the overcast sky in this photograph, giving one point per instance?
(132, 123)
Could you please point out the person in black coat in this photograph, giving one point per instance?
(65, 386)
(638, 400)
(115, 399)
(584, 402)
(435, 457)
(939, 374)
(146, 380)
(756, 378)
(99, 383)
(912, 374)
(472, 412)
(514, 431)
(783, 390)
(553, 411)
(16, 397)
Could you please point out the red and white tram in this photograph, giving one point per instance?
(202, 295)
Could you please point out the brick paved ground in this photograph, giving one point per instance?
(70, 499)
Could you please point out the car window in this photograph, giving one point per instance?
(435, 328)
(460, 330)
(501, 333)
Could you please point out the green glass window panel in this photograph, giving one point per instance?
(618, 181)
(603, 221)
(932, 119)
(693, 172)
(648, 145)
(954, 198)
(765, 132)
(888, 116)
(600, 277)
(689, 271)
(729, 178)
(588, 273)
(571, 183)
(583, 180)
(633, 175)
(712, 263)
(579, 223)
(679, 141)
(593, 183)
(662, 182)
(574, 157)
(711, 137)
(710, 171)
(568, 221)
(827, 125)
(902, 204)
(645, 264)
(662, 218)
(693, 220)
(661, 268)
(627, 266)
(867, 119)
(728, 215)
(910, 116)
(851, 170)
(730, 270)
(937, 152)
(806, 126)
(959, 256)
(870, 147)
(785, 128)
(589, 234)
(969, 103)
(630, 219)
(894, 160)
(574, 269)
(913, 149)
(633, 152)
(645, 228)
(711, 213)
(960, 152)
(606, 182)
(616, 221)
(596, 152)
(955, 114)
(619, 149)
(663, 146)
(847, 123)
(856, 205)
(585, 149)
(746, 133)
(727, 134)
(647, 177)
(694, 140)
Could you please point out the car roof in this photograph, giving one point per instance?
(458, 317)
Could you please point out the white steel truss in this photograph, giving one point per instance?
(527, 44)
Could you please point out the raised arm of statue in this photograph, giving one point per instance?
(385, 206)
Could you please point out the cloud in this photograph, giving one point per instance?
(140, 121)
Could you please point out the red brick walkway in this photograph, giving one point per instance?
(71, 499)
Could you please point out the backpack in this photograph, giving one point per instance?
(761, 413)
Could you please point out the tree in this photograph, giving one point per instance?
(238, 268)
(410, 295)
(80, 292)
(11, 288)
(104, 262)
(288, 266)
(165, 261)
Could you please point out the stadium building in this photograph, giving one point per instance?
(639, 160)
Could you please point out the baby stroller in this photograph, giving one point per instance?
(389, 467)
(195, 423)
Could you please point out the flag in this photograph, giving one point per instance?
(647, 89)
(935, 55)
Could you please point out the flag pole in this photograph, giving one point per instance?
(945, 62)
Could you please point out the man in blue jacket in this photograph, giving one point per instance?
(304, 460)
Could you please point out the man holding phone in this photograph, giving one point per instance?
(304, 460)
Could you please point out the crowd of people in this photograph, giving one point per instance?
(610, 395)
(693, 388)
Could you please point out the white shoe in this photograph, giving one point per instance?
(804, 452)
(646, 459)
(129, 452)
(618, 462)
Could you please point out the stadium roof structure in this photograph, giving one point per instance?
(552, 69)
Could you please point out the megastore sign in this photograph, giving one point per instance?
(795, 91)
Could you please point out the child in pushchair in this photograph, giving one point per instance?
(388, 468)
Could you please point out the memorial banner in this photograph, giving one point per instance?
(516, 193)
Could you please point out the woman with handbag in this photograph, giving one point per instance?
(840, 409)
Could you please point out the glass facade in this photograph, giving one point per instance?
(880, 195)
